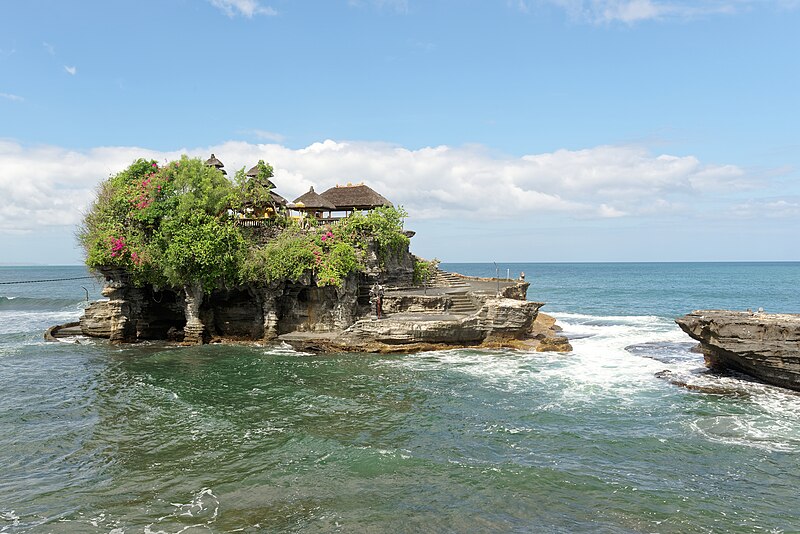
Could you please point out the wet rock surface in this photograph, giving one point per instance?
(453, 311)
(765, 346)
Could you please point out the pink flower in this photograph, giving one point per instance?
(324, 237)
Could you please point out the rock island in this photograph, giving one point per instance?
(192, 257)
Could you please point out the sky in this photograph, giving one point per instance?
(510, 130)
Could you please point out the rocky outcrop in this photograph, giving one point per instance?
(414, 303)
(499, 322)
(124, 306)
(463, 311)
(547, 335)
(765, 346)
(96, 319)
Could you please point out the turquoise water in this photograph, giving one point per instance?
(150, 438)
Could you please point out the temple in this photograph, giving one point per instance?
(331, 205)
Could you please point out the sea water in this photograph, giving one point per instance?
(155, 438)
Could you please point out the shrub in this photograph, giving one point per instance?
(424, 271)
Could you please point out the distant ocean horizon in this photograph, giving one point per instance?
(157, 438)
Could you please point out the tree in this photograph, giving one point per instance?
(255, 190)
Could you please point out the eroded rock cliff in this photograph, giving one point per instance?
(765, 346)
(457, 311)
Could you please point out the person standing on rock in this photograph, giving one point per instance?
(376, 296)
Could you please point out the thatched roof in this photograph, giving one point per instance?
(313, 201)
(214, 162)
(253, 173)
(277, 199)
(360, 197)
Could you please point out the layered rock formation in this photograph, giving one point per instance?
(456, 311)
(765, 346)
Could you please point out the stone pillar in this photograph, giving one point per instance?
(122, 324)
(269, 306)
(194, 331)
(346, 303)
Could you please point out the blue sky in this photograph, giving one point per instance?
(538, 130)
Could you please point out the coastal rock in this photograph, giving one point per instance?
(96, 319)
(498, 320)
(546, 332)
(457, 311)
(765, 346)
(416, 303)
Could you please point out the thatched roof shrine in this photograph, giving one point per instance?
(314, 201)
(253, 173)
(354, 197)
(277, 199)
(214, 162)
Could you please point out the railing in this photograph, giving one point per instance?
(253, 223)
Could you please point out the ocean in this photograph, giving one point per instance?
(159, 439)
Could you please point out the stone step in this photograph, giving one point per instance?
(445, 279)
(461, 303)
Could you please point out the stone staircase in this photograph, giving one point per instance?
(445, 279)
(461, 303)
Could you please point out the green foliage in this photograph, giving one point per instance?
(424, 271)
(200, 248)
(383, 225)
(295, 253)
(339, 260)
(168, 226)
(254, 190)
(289, 256)
(144, 218)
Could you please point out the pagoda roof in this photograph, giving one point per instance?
(253, 173)
(214, 162)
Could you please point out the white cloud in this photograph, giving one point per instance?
(265, 135)
(246, 8)
(47, 185)
(632, 11)
(12, 97)
(768, 208)
(71, 70)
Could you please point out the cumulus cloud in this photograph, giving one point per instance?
(245, 8)
(47, 185)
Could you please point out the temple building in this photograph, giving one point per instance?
(217, 164)
(349, 198)
(313, 204)
(335, 203)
